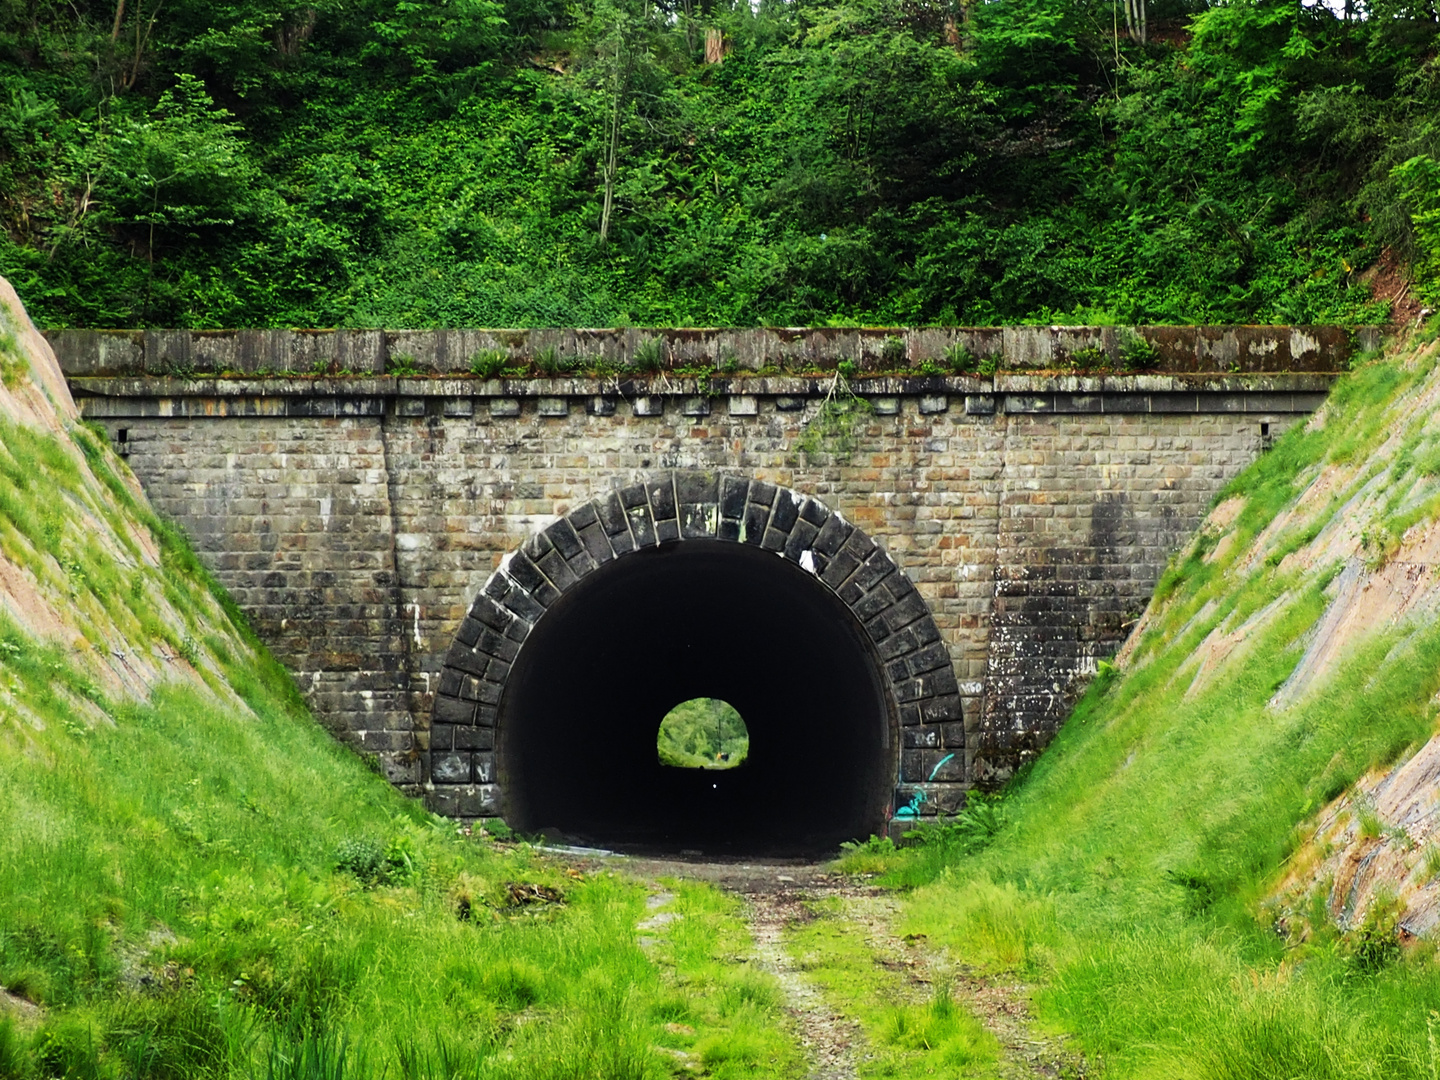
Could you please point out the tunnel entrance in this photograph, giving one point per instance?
(697, 585)
(577, 738)
(702, 733)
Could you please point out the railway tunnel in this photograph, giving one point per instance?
(693, 585)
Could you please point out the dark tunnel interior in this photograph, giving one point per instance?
(582, 706)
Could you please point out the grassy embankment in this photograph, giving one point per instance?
(1130, 876)
(203, 884)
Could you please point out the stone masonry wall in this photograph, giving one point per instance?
(356, 523)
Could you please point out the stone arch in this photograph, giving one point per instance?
(715, 522)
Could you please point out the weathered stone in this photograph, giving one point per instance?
(355, 519)
(450, 768)
(744, 405)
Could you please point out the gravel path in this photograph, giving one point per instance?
(775, 893)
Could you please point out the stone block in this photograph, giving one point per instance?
(785, 512)
(450, 768)
(472, 738)
(733, 490)
(457, 407)
(692, 486)
(552, 407)
(744, 405)
(504, 407)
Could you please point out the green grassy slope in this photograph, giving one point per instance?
(1130, 874)
(196, 881)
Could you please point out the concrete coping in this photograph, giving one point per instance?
(1170, 349)
(692, 388)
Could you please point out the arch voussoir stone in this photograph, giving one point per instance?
(673, 507)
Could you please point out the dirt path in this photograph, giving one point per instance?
(775, 894)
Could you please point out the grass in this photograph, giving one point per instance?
(908, 1038)
(1130, 875)
(204, 884)
(718, 1010)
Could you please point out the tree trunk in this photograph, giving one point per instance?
(714, 45)
(612, 158)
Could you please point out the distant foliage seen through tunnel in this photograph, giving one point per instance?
(703, 733)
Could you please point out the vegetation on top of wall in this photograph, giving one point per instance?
(1129, 871)
(604, 162)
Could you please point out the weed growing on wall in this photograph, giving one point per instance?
(832, 430)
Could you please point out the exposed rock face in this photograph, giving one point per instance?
(1367, 526)
(73, 524)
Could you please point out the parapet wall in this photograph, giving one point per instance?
(1176, 349)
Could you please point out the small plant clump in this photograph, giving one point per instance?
(489, 363)
(403, 365)
(1138, 354)
(960, 359)
(14, 367)
(649, 356)
(549, 362)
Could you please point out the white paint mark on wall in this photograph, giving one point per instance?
(325, 504)
(807, 561)
(415, 610)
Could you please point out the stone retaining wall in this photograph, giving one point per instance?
(357, 520)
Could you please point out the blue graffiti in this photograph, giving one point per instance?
(912, 808)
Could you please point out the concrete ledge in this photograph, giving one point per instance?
(456, 398)
(1171, 349)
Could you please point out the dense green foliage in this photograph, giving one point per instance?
(703, 733)
(1129, 872)
(530, 162)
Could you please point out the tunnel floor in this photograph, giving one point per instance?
(577, 727)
